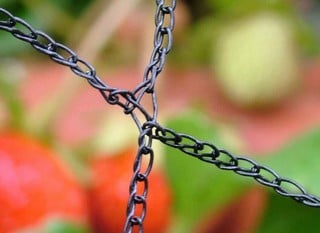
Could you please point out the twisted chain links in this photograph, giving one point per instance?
(149, 129)
(243, 166)
(128, 100)
(164, 22)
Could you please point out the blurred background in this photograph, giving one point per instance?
(245, 77)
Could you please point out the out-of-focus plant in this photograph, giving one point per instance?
(212, 16)
(254, 48)
(56, 17)
(199, 188)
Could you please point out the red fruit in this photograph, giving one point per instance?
(34, 186)
(109, 194)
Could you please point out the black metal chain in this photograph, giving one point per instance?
(149, 128)
(164, 22)
(243, 166)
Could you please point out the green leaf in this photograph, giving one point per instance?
(232, 8)
(199, 188)
(10, 46)
(306, 37)
(57, 225)
(9, 94)
(61, 226)
(300, 161)
(286, 216)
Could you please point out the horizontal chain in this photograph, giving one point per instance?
(225, 160)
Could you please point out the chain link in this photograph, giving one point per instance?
(140, 179)
(128, 100)
(149, 129)
(162, 45)
(241, 165)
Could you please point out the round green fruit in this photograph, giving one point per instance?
(256, 60)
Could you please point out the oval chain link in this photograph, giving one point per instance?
(241, 165)
(148, 128)
(162, 45)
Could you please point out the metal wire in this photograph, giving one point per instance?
(149, 128)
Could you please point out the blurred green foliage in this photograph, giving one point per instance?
(299, 160)
(9, 90)
(62, 226)
(211, 16)
(55, 17)
(232, 8)
(285, 216)
(199, 188)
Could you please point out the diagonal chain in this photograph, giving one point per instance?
(225, 160)
(149, 129)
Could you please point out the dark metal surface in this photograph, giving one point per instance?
(146, 120)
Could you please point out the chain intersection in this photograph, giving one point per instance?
(149, 128)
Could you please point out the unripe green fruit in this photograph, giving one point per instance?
(256, 60)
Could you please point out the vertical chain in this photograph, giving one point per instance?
(162, 44)
(137, 203)
(138, 190)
